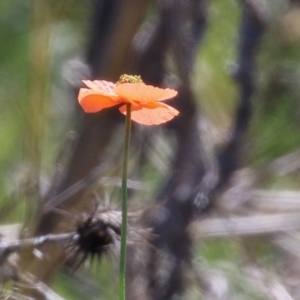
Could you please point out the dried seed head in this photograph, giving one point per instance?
(96, 235)
(100, 233)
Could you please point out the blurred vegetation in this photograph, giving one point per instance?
(38, 38)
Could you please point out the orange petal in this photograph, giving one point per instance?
(92, 101)
(102, 87)
(143, 93)
(151, 114)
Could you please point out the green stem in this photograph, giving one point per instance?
(122, 281)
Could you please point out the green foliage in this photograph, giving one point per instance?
(84, 284)
(217, 55)
(276, 122)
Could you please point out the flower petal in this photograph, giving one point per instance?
(143, 93)
(102, 87)
(153, 113)
(92, 101)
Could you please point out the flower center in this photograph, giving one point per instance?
(129, 79)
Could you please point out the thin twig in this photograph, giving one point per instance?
(250, 225)
(8, 248)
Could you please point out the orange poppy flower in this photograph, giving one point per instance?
(145, 100)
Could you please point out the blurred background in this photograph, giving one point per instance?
(218, 187)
